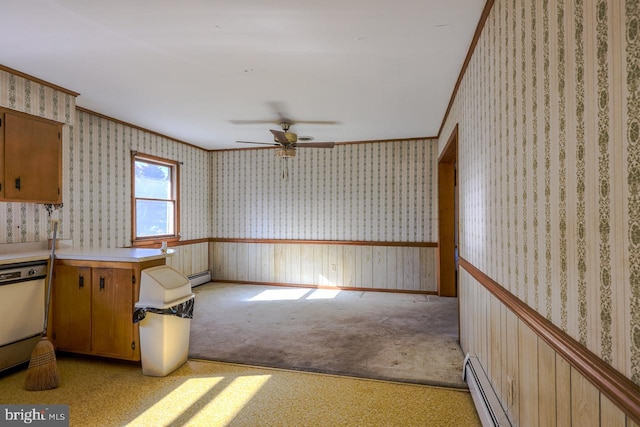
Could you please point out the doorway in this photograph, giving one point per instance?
(448, 218)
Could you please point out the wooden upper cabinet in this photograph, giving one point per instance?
(30, 158)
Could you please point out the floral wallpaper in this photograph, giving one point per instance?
(96, 187)
(27, 222)
(549, 165)
(380, 191)
(98, 190)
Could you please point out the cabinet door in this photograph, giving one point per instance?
(32, 159)
(112, 314)
(72, 308)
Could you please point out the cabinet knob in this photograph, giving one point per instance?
(18, 183)
(80, 282)
(101, 283)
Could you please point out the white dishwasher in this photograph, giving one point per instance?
(22, 296)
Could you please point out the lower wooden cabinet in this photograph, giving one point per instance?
(72, 308)
(92, 308)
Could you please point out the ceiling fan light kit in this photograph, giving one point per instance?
(285, 152)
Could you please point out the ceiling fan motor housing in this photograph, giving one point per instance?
(292, 138)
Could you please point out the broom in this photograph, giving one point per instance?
(43, 373)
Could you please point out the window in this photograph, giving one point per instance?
(155, 193)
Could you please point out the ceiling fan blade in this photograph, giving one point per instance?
(285, 120)
(316, 122)
(315, 144)
(254, 122)
(280, 136)
(261, 143)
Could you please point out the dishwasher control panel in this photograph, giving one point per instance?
(11, 273)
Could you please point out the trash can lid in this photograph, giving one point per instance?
(161, 285)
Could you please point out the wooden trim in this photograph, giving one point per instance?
(32, 117)
(449, 153)
(328, 242)
(37, 80)
(172, 242)
(617, 387)
(217, 150)
(175, 181)
(155, 242)
(373, 141)
(476, 36)
(447, 216)
(127, 265)
(338, 288)
(103, 116)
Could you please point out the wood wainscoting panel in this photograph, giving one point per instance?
(349, 276)
(482, 299)
(495, 344)
(547, 399)
(512, 368)
(585, 401)
(242, 261)
(528, 376)
(610, 414)
(543, 376)
(410, 268)
(428, 268)
(190, 258)
(380, 279)
(563, 391)
(306, 264)
(503, 386)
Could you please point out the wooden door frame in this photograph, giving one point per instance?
(447, 217)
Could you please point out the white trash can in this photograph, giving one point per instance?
(164, 312)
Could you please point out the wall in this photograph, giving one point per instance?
(97, 194)
(366, 192)
(27, 222)
(190, 259)
(549, 170)
(349, 266)
(538, 387)
(96, 188)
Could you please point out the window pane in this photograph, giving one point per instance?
(152, 181)
(154, 218)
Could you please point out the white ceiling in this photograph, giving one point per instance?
(188, 69)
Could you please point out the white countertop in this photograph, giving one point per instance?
(25, 252)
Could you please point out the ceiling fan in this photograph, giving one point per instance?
(287, 141)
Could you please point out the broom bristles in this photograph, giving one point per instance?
(42, 373)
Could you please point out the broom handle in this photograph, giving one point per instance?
(49, 276)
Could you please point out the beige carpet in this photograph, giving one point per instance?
(381, 335)
(110, 393)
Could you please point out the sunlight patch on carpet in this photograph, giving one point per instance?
(324, 294)
(214, 400)
(285, 294)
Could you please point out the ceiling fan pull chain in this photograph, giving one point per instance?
(285, 170)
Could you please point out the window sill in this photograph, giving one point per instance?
(155, 242)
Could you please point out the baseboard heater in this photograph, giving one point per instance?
(200, 278)
(487, 404)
